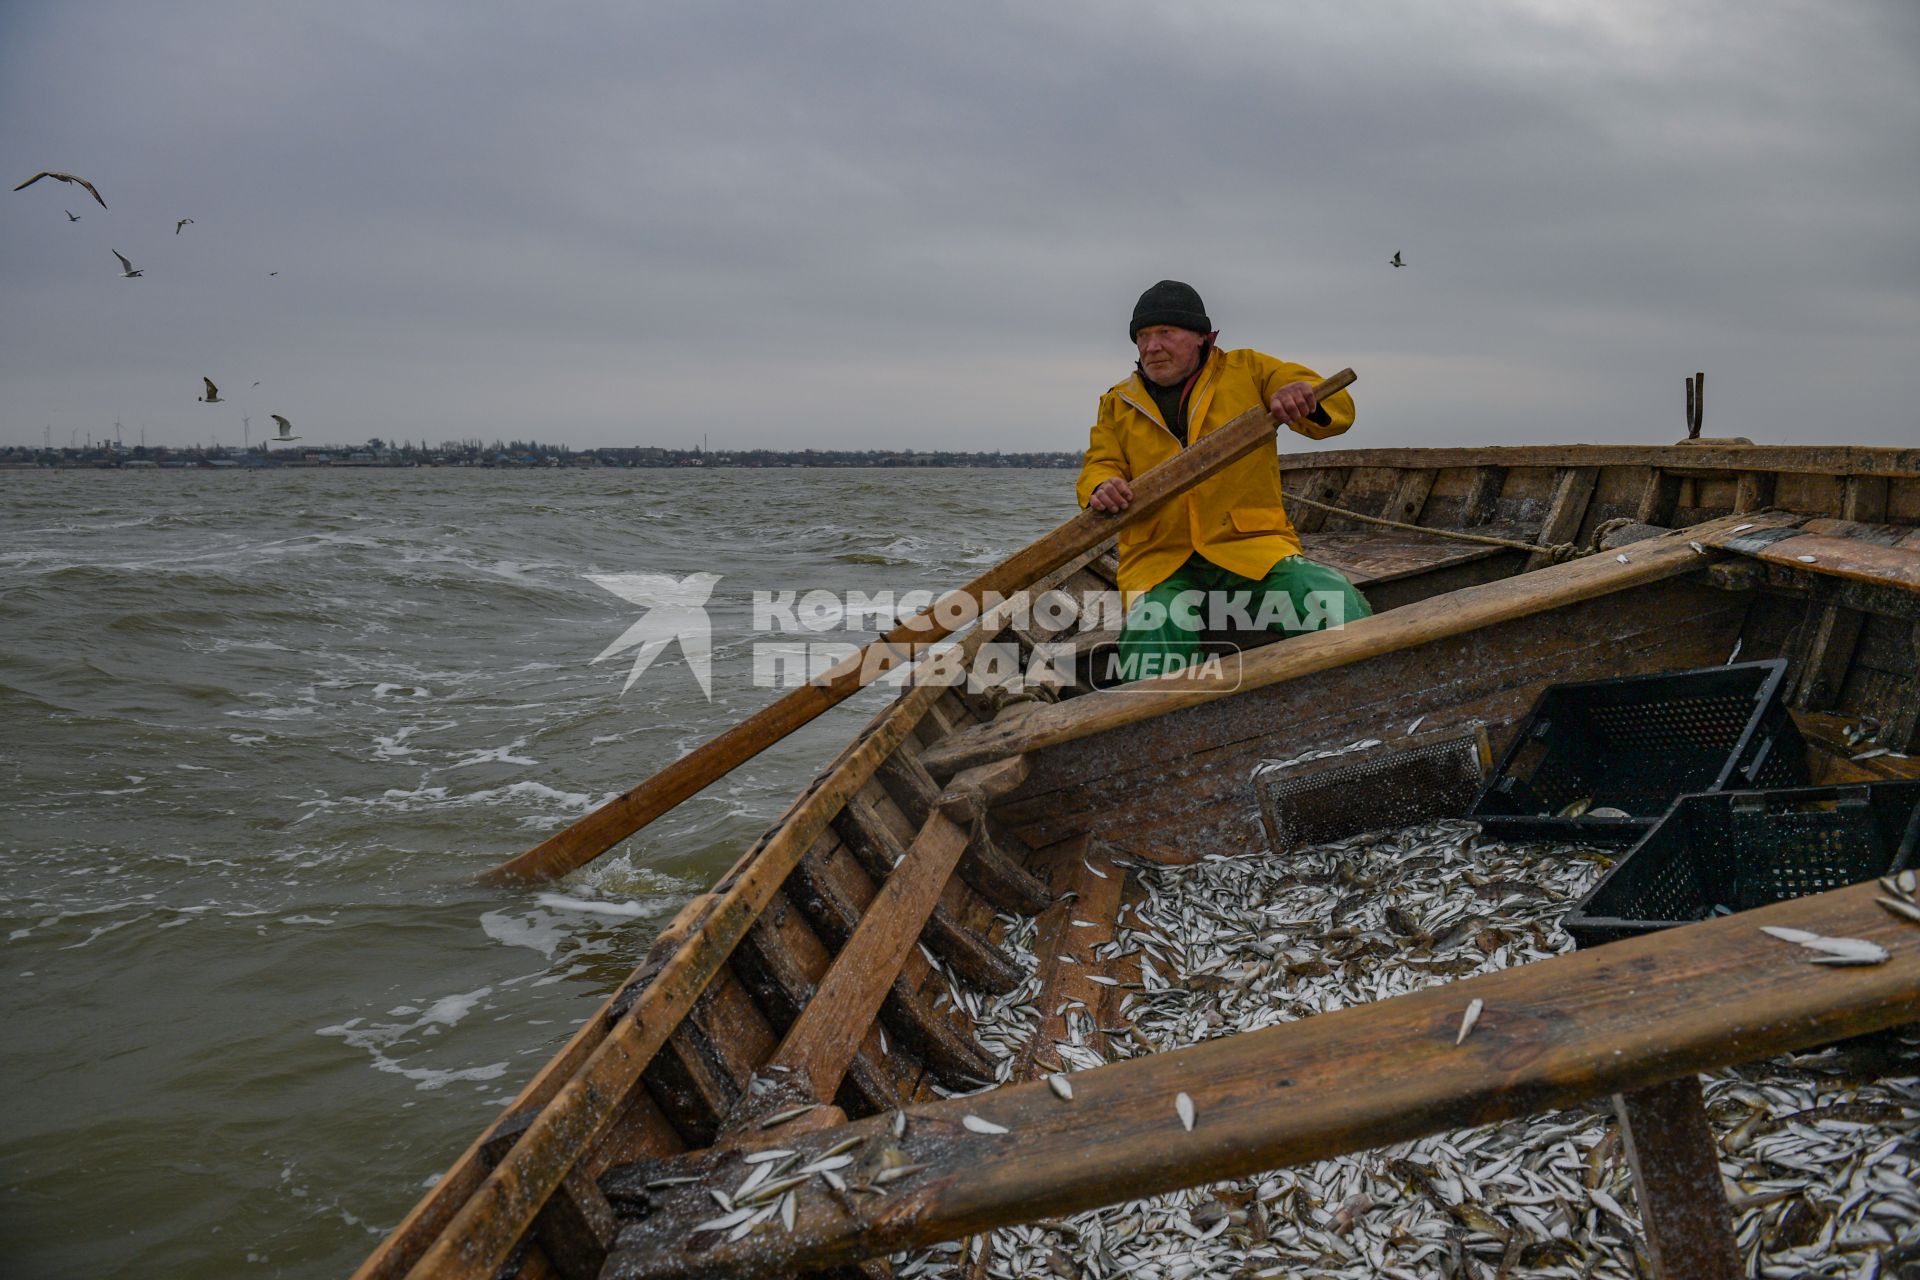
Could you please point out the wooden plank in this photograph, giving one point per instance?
(1837, 630)
(1821, 674)
(975, 960)
(1659, 497)
(1092, 888)
(1849, 558)
(1840, 460)
(1902, 731)
(985, 865)
(780, 961)
(866, 972)
(1483, 496)
(1572, 488)
(1377, 556)
(1410, 495)
(1457, 613)
(820, 889)
(1753, 491)
(1551, 1034)
(1676, 1179)
(577, 1229)
(1322, 484)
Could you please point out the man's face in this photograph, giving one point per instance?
(1168, 354)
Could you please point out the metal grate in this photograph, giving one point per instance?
(1369, 786)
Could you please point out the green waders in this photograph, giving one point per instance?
(1164, 626)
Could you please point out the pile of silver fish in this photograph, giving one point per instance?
(1820, 1149)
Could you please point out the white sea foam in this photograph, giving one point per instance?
(409, 691)
(536, 931)
(498, 755)
(629, 910)
(376, 1038)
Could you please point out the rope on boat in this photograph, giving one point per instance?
(1558, 552)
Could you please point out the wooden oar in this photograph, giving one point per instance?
(625, 814)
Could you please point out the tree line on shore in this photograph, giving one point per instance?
(509, 453)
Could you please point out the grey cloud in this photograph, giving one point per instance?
(847, 224)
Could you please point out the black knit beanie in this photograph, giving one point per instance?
(1170, 302)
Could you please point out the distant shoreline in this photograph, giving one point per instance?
(499, 459)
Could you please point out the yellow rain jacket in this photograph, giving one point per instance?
(1235, 519)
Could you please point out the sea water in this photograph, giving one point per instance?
(258, 730)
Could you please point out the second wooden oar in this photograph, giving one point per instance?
(620, 817)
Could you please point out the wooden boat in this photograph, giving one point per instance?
(806, 978)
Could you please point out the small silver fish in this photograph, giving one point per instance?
(897, 1172)
(1834, 951)
(1061, 1087)
(781, 1117)
(723, 1222)
(1183, 1107)
(1467, 1020)
(1901, 907)
(977, 1125)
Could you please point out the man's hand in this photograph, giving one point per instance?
(1113, 495)
(1293, 402)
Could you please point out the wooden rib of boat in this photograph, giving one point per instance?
(798, 1000)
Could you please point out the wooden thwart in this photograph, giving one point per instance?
(1619, 1018)
(1850, 558)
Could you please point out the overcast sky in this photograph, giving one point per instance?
(923, 226)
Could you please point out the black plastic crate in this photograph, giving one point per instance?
(1735, 850)
(1637, 744)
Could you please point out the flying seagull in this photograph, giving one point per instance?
(255, 384)
(184, 222)
(1396, 259)
(126, 268)
(63, 177)
(286, 428)
(71, 215)
(213, 392)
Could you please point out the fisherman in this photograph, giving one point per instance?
(1224, 554)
